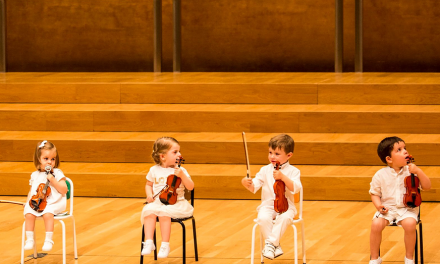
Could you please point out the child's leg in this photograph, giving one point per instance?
(377, 226)
(48, 222)
(265, 221)
(149, 226)
(283, 221)
(409, 225)
(165, 228)
(29, 220)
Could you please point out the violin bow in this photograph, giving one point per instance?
(12, 202)
(247, 155)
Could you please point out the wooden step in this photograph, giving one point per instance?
(419, 119)
(213, 181)
(221, 88)
(215, 148)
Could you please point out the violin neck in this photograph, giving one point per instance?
(45, 187)
(413, 181)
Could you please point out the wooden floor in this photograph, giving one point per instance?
(109, 232)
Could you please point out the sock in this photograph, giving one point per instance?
(49, 235)
(165, 244)
(29, 235)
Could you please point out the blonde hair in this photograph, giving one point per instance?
(282, 141)
(161, 146)
(48, 146)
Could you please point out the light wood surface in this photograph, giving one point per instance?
(109, 231)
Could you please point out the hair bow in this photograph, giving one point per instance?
(42, 144)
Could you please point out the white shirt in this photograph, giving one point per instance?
(159, 175)
(390, 187)
(265, 179)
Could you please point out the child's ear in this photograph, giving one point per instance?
(289, 155)
(388, 159)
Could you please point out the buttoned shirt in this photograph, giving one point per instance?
(390, 187)
(264, 179)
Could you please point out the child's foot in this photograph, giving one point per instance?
(269, 251)
(47, 245)
(164, 250)
(409, 261)
(376, 261)
(148, 247)
(29, 244)
(278, 251)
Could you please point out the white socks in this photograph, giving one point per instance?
(164, 250)
(48, 242)
(29, 244)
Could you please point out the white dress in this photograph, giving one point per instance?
(181, 209)
(56, 202)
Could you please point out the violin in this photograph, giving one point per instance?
(38, 202)
(280, 203)
(412, 198)
(169, 194)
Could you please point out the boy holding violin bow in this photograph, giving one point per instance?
(277, 208)
(395, 193)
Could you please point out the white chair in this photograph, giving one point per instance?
(60, 218)
(298, 219)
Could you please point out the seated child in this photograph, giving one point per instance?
(387, 190)
(281, 150)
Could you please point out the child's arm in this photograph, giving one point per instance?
(425, 182)
(187, 182)
(248, 184)
(60, 185)
(149, 191)
(378, 204)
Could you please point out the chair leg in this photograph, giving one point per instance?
(261, 247)
(421, 243)
(22, 243)
(195, 239)
(142, 245)
(184, 241)
(295, 243)
(35, 245)
(303, 242)
(75, 249)
(64, 240)
(154, 241)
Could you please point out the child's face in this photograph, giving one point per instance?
(169, 158)
(279, 155)
(48, 157)
(398, 155)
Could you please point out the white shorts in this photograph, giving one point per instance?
(394, 218)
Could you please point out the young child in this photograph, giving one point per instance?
(45, 154)
(280, 149)
(166, 151)
(387, 190)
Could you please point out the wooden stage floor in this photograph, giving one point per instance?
(109, 231)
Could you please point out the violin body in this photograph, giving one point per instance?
(169, 194)
(281, 204)
(412, 198)
(38, 202)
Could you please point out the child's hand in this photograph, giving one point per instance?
(382, 209)
(178, 172)
(247, 182)
(413, 168)
(150, 199)
(278, 175)
(49, 177)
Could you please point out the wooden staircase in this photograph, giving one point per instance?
(104, 124)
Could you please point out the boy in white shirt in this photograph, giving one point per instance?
(280, 149)
(387, 189)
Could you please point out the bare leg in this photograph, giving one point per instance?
(29, 222)
(409, 225)
(149, 226)
(377, 226)
(48, 222)
(165, 228)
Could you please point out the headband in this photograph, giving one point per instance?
(42, 144)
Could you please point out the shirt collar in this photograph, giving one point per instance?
(394, 172)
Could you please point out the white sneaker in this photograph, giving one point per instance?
(278, 251)
(29, 244)
(47, 245)
(269, 251)
(148, 246)
(163, 251)
(409, 261)
(376, 261)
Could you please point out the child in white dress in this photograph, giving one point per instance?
(46, 156)
(166, 151)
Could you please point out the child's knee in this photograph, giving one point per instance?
(409, 224)
(378, 224)
(264, 219)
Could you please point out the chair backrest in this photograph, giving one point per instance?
(189, 195)
(69, 194)
(298, 198)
